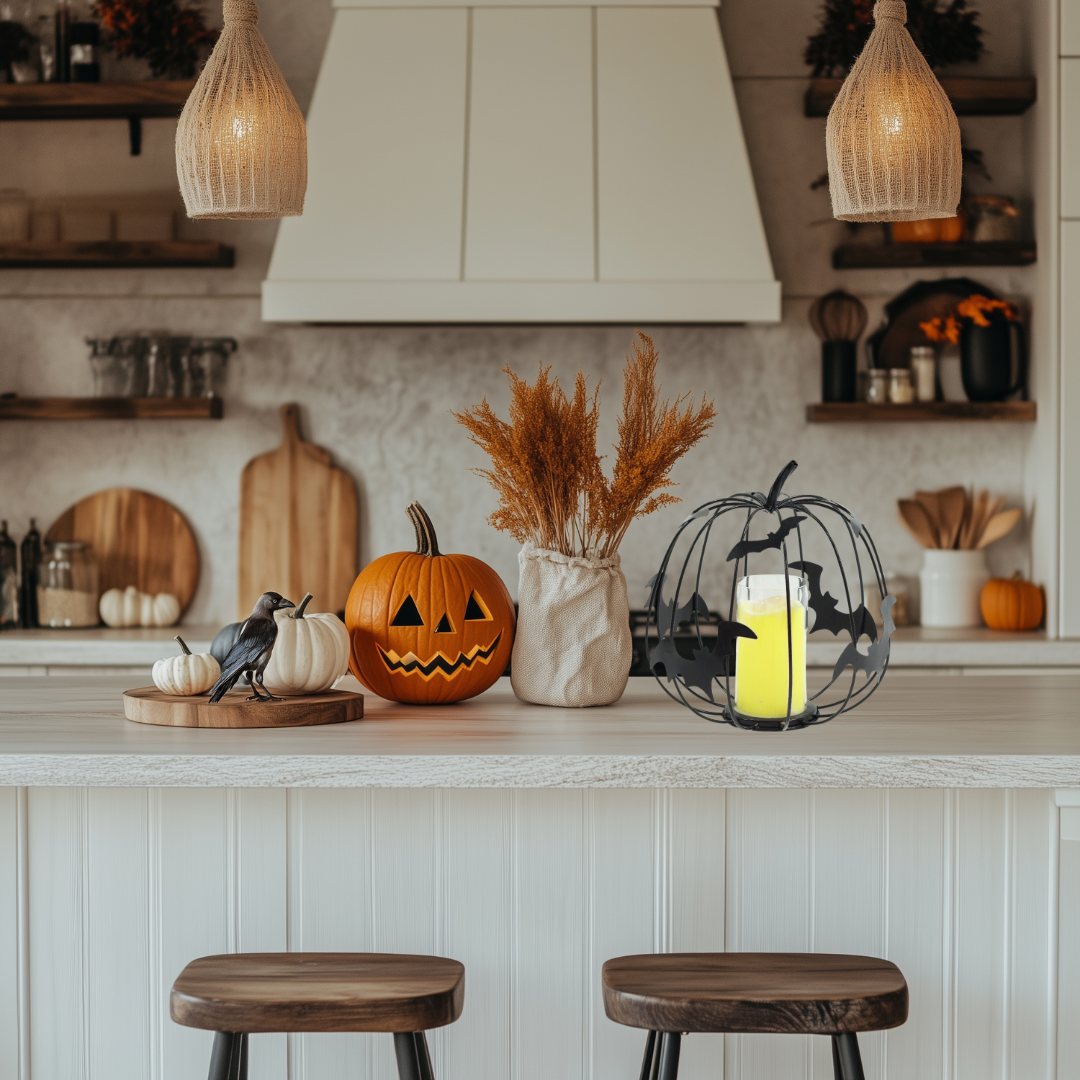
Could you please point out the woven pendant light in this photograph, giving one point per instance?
(241, 145)
(892, 138)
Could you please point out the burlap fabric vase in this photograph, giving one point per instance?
(572, 646)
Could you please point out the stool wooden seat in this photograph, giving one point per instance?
(786, 993)
(242, 993)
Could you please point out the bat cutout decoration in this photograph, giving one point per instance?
(664, 624)
(826, 615)
(773, 541)
(873, 661)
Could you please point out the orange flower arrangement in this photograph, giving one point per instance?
(939, 329)
(545, 468)
(976, 308)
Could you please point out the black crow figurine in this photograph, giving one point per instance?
(251, 652)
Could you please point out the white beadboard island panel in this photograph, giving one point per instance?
(533, 890)
(529, 202)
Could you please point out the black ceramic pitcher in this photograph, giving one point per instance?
(993, 359)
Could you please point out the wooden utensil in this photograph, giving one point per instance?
(137, 538)
(998, 526)
(952, 502)
(928, 500)
(915, 517)
(298, 524)
(970, 533)
(149, 705)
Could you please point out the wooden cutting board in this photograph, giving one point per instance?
(138, 538)
(298, 524)
(149, 705)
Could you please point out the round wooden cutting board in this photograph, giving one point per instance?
(138, 539)
(149, 705)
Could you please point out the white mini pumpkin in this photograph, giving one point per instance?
(311, 652)
(132, 606)
(187, 674)
(111, 607)
(165, 610)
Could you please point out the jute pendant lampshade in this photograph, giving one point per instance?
(892, 138)
(241, 145)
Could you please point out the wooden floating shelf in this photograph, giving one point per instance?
(93, 101)
(858, 412)
(963, 253)
(113, 254)
(969, 97)
(58, 408)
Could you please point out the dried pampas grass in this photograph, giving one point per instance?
(551, 486)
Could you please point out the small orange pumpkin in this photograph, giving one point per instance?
(428, 628)
(1011, 604)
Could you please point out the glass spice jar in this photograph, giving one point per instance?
(877, 386)
(924, 372)
(68, 590)
(9, 580)
(901, 392)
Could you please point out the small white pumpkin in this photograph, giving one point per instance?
(111, 607)
(311, 652)
(187, 674)
(166, 609)
(132, 606)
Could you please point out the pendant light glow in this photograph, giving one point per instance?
(241, 144)
(892, 138)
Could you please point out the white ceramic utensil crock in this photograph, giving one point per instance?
(951, 583)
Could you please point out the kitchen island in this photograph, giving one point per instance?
(937, 826)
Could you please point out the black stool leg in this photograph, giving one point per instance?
(413, 1059)
(669, 1056)
(647, 1070)
(846, 1061)
(228, 1059)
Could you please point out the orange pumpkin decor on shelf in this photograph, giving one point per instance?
(428, 628)
(1011, 604)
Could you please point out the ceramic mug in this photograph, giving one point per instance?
(950, 584)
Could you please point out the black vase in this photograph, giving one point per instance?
(993, 359)
(838, 371)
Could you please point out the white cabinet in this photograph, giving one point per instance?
(1068, 1047)
(1070, 27)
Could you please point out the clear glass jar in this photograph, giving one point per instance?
(210, 356)
(901, 392)
(924, 372)
(68, 586)
(9, 580)
(762, 664)
(877, 386)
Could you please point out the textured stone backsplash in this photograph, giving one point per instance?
(380, 398)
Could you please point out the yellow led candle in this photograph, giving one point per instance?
(761, 664)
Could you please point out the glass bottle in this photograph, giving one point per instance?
(9, 580)
(30, 557)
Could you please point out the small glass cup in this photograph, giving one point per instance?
(901, 392)
(877, 386)
(762, 664)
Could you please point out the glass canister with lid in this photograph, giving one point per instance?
(68, 589)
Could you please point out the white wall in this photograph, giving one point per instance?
(379, 398)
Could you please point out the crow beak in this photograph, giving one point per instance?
(284, 604)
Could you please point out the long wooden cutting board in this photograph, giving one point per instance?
(298, 524)
(139, 539)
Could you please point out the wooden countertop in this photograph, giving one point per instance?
(918, 731)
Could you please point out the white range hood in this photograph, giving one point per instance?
(524, 163)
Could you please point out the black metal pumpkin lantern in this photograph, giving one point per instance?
(761, 645)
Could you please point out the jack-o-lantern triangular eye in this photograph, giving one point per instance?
(408, 614)
(444, 626)
(476, 610)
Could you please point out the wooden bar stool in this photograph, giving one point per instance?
(671, 994)
(242, 993)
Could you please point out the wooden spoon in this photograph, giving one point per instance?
(998, 526)
(952, 501)
(928, 500)
(991, 510)
(917, 520)
(970, 534)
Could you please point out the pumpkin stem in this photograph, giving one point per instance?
(427, 543)
(183, 645)
(299, 612)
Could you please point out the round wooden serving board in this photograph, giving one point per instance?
(149, 705)
(138, 538)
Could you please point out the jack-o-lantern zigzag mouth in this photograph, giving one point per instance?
(410, 664)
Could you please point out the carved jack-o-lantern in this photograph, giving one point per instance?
(429, 628)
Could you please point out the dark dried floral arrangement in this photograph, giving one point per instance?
(169, 35)
(945, 35)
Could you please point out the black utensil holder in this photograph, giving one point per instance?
(838, 371)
